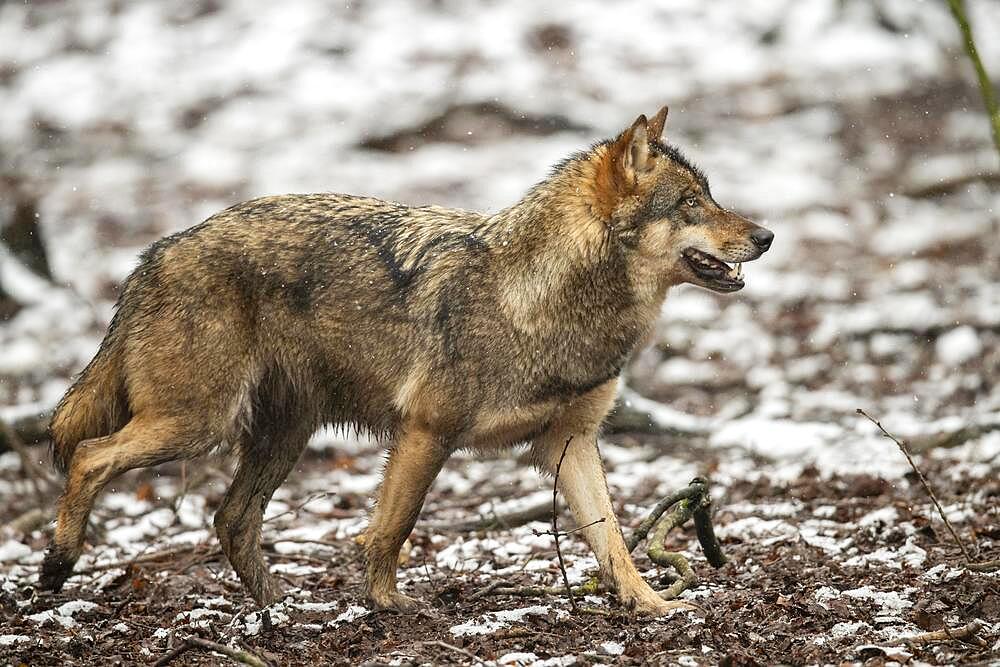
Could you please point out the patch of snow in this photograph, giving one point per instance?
(10, 640)
(910, 555)
(776, 438)
(63, 615)
(200, 617)
(314, 606)
(148, 525)
(612, 648)
(766, 531)
(942, 572)
(12, 550)
(788, 508)
(353, 613)
(215, 601)
(884, 515)
(493, 621)
(889, 601)
(297, 569)
(822, 534)
(958, 346)
(664, 416)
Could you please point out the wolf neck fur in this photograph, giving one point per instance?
(560, 256)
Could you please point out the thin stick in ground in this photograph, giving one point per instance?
(923, 481)
(555, 524)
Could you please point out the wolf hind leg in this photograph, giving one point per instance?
(143, 442)
(266, 458)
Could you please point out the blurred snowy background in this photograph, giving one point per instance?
(852, 128)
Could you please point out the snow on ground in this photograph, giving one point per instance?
(850, 128)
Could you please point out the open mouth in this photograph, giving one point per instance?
(715, 273)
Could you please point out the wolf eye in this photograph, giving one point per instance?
(690, 201)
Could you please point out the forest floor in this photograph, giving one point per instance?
(852, 129)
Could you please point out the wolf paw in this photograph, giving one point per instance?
(56, 569)
(651, 604)
(396, 601)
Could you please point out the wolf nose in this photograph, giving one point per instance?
(762, 238)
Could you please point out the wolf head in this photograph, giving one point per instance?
(661, 209)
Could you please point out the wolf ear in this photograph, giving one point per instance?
(627, 157)
(656, 124)
(631, 150)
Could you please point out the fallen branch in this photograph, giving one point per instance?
(39, 476)
(295, 509)
(29, 521)
(964, 632)
(693, 501)
(31, 429)
(693, 490)
(658, 553)
(592, 587)
(144, 559)
(239, 655)
(506, 521)
(986, 566)
(945, 186)
(634, 413)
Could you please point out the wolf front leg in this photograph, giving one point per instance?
(412, 465)
(583, 484)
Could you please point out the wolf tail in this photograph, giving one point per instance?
(96, 404)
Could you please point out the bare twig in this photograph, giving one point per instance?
(923, 481)
(584, 527)
(555, 523)
(985, 85)
(295, 509)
